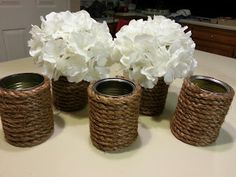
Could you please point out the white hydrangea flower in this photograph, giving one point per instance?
(72, 45)
(157, 47)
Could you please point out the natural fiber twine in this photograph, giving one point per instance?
(153, 100)
(27, 116)
(199, 114)
(69, 96)
(113, 120)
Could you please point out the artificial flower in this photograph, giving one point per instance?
(157, 47)
(72, 45)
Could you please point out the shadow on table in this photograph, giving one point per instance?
(163, 120)
(59, 125)
(62, 119)
(225, 139)
(72, 118)
(4, 145)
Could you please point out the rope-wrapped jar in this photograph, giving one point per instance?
(26, 109)
(201, 109)
(69, 96)
(113, 113)
(153, 100)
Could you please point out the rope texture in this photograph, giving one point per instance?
(113, 120)
(27, 116)
(69, 96)
(153, 100)
(199, 114)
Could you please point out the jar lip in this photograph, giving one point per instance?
(22, 81)
(211, 80)
(120, 81)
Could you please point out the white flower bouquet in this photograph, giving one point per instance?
(157, 47)
(73, 49)
(72, 45)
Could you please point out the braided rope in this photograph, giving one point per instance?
(113, 120)
(69, 96)
(153, 100)
(27, 116)
(199, 114)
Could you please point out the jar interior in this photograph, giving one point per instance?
(210, 84)
(114, 87)
(22, 81)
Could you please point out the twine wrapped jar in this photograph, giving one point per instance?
(26, 109)
(69, 96)
(153, 100)
(113, 113)
(201, 109)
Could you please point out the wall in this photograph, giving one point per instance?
(74, 5)
(86, 3)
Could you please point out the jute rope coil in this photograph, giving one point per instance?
(199, 114)
(69, 96)
(153, 100)
(113, 120)
(27, 116)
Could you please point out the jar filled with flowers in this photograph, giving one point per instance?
(73, 49)
(154, 52)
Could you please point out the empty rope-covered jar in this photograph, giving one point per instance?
(113, 113)
(26, 109)
(201, 109)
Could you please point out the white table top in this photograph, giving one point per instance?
(156, 152)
